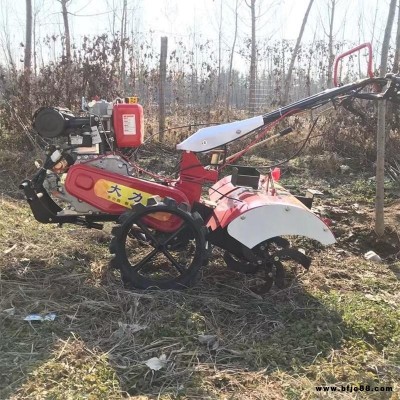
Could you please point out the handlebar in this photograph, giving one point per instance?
(392, 93)
(320, 99)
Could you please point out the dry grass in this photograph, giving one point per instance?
(336, 325)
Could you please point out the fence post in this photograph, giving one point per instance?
(163, 78)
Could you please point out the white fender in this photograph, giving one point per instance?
(214, 136)
(264, 222)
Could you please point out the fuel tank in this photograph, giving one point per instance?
(128, 124)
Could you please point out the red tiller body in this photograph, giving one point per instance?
(84, 181)
(113, 193)
(192, 176)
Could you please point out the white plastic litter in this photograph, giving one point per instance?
(156, 363)
(372, 256)
(40, 318)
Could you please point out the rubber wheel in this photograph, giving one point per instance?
(152, 257)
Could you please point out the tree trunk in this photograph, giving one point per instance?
(381, 131)
(28, 47)
(253, 60)
(396, 59)
(68, 100)
(329, 80)
(392, 110)
(374, 25)
(230, 83)
(294, 54)
(35, 14)
(123, 35)
(66, 31)
(219, 53)
(163, 76)
(114, 14)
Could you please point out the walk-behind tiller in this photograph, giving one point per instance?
(165, 228)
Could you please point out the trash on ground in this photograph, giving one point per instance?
(40, 318)
(156, 363)
(372, 256)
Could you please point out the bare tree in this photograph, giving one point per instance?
(294, 54)
(34, 29)
(228, 89)
(66, 30)
(67, 51)
(113, 12)
(219, 51)
(374, 23)
(331, 59)
(253, 58)
(123, 43)
(396, 58)
(163, 76)
(28, 44)
(391, 115)
(6, 39)
(381, 130)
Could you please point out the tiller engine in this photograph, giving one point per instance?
(165, 228)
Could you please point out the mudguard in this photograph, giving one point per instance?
(253, 216)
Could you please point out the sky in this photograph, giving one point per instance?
(184, 19)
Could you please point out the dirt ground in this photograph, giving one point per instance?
(336, 325)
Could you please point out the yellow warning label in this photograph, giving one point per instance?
(132, 99)
(123, 195)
